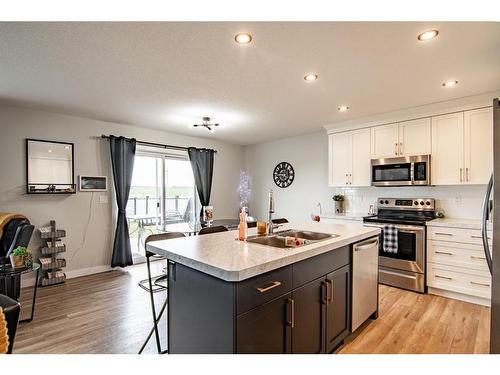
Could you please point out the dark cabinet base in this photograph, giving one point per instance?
(301, 308)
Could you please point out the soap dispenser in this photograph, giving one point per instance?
(243, 227)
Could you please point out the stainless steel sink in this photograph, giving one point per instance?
(278, 239)
(307, 235)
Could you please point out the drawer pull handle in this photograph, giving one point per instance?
(473, 236)
(443, 252)
(443, 234)
(273, 285)
(481, 284)
(475, 257)
(443, 277)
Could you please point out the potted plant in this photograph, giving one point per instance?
(339, 203)
(18, 256)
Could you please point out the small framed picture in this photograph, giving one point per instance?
(208, 213)
(93, 183)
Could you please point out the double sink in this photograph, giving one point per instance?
(278, 238)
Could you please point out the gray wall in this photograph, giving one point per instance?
(308, 154)
(91, 252)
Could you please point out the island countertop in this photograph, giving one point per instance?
(221, 255)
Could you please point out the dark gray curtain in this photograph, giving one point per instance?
(202, 162)
(122, 161)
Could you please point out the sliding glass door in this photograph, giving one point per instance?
(162, 198)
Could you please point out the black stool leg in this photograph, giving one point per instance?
(157, 334)
(153, 329)
(33, 302)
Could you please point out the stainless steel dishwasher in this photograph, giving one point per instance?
(364, 281)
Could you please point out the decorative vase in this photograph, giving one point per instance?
(339, 207)
(17, 261)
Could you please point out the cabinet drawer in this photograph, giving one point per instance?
(471, 236)
(260, 289)
(475, 283)
(457, 254)
(320, 265)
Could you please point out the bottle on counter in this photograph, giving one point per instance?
(243, 227)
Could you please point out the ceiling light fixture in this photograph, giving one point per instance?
(427, 35)
(311, 77)
(243, 38)
(342, 108)
(206, 124)
(49, 150)
(450, 83)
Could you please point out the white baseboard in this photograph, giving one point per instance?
(460, 296)
(30, 280)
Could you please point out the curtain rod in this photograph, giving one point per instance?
(160, 145)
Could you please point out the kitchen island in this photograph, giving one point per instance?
(229, 296)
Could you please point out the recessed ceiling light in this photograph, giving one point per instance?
(450, 83)
(49, 150)
(66, 147)
(243, 38)
(342, 108)
(311, 77)
(428, 35)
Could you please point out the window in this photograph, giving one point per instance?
(162, 197)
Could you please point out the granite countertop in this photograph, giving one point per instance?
(458, 223)
(222, 256)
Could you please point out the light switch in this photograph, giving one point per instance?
(103, 198)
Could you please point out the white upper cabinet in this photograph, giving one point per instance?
(360, 155)
(349, 158)
(478, 150)
(415, 137)
(401, 139)
(338, 160)
(447, 160)
(384, 141)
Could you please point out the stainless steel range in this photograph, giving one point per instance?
(404, 268)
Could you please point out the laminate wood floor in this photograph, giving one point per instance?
(413, 323)
(109, 313)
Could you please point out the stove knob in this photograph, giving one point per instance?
(381, 201)
(428, 203)
(386, 202)
(415, 203)
(421, 203)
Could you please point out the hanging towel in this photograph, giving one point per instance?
(390, 239)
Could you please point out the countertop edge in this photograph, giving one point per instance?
(236, 276)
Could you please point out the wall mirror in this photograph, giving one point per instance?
(49, 167)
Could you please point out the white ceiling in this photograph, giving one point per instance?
(168, 75)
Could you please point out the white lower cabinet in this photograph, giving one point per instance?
(456, 265)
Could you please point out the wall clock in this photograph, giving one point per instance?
(283, 174)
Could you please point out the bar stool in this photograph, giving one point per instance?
(155, 285)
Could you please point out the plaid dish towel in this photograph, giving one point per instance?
(390, 239)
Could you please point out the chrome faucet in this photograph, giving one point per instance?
(270, 227)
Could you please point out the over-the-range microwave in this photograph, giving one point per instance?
(401, 171)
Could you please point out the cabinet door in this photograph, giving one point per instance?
(360, 158)
(384, 141)
(339, 161)
(338, 309)
(309, 318)
(266, 329)
(415, 137)
(447, 161)
(478, 125)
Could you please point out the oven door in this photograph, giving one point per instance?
(411, 249)
(392, 172)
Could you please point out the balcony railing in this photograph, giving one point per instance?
(151, 205)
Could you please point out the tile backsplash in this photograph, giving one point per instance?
(460, 202)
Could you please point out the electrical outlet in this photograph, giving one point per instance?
(458, 199)
(103, 198)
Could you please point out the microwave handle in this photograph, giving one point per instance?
(412, 173)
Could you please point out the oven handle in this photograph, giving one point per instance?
(405, 228)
